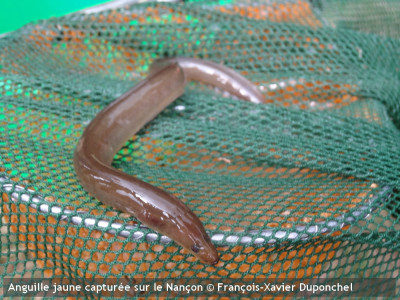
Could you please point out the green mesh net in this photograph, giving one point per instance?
(305, 185)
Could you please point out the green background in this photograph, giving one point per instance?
(16, 13)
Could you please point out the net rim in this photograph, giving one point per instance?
(20, 194)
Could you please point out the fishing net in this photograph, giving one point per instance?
(305, 185)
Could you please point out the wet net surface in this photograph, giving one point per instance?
(303, 185)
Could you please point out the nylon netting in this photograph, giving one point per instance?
(304, 185)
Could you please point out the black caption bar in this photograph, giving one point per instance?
(178, 287)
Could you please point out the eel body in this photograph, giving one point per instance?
(124, 117)
(213, 74)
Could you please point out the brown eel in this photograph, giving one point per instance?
(124, 117)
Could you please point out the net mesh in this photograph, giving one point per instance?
(304, 185)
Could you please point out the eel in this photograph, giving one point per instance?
(124, 117)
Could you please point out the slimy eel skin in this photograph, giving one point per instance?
(121, 119)
(214, 74)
